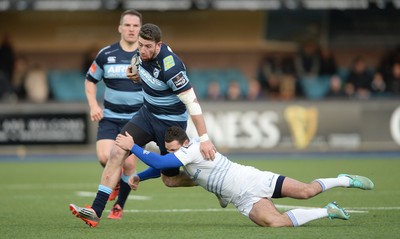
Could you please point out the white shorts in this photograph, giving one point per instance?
(257, 185)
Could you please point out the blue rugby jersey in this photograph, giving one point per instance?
(122, 97)
(163, 78)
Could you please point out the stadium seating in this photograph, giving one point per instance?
(200, 78)
(68, 86)
(315, 88)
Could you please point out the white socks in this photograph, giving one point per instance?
(328, 183)
(302, 216)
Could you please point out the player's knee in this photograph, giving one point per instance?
(118, 154)
(130, 165)
(102, 163)
(102, 159)
(307, 192)
(169, 181)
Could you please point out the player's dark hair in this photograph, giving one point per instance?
(130, 12)
(176, 133)
(150, 32)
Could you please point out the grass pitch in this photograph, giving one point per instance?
(34, 199)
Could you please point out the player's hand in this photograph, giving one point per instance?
(134, 76)
(208, 150)
(96, 113)
(133, 182)
(125, 142)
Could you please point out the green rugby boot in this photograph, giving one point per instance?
(357, 181)
(335, 211)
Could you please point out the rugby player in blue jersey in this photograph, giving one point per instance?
(250, 190)
(122, 97)
(168, 99)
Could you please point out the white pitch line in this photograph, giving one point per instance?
(376, 208)
(180, 210)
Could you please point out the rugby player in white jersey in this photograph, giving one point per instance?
(247, 188)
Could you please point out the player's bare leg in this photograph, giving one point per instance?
(129, 168)
(112, 171)
(103, 149)
(299, 190)
(180, 180)
(265, 214)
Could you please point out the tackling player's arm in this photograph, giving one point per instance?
(155, 161)
(190, 100)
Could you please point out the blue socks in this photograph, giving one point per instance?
(101, 199)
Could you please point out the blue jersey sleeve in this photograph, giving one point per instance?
(149, 173)
(156, 161)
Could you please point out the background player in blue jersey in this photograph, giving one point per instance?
(122, 97)
(168, 98)
(248, 188)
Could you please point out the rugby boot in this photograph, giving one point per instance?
(357, 181)
(335, 211)
(87, 214)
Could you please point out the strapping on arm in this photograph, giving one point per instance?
(190, 100)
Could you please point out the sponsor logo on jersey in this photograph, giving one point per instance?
(179, 80)
(115, 71)
(168, 62)
(111, 59)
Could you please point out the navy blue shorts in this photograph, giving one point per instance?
(109, 128)
(144, 127)
(154, 127)
(278, 187)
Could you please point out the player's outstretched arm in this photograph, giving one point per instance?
(153, 160)
(149, 173)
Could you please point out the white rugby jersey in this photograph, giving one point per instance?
(219, 176)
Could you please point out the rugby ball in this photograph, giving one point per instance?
(135, 64)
